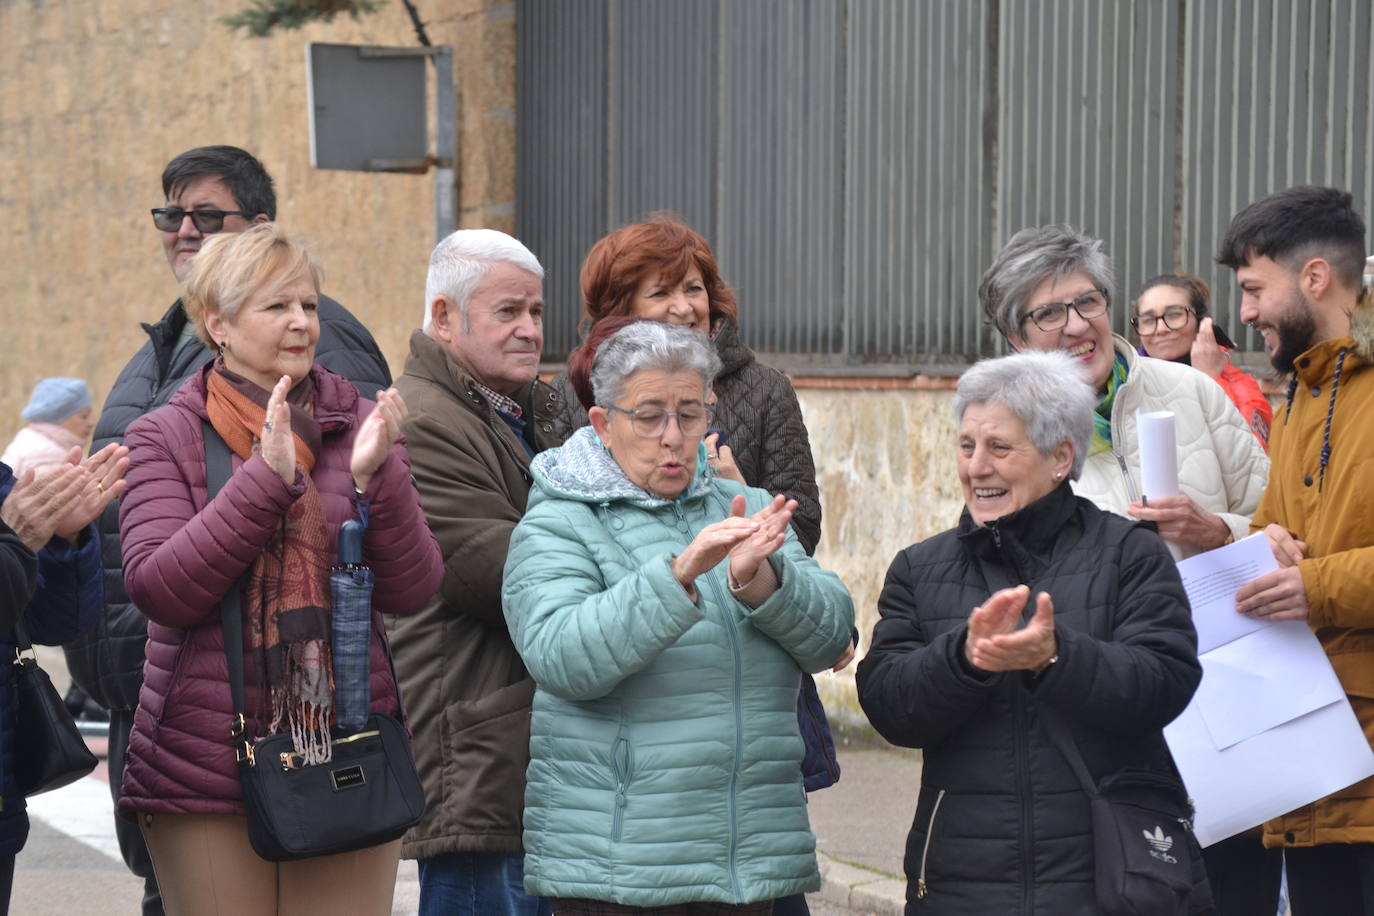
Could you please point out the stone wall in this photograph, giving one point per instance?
(885, 459)
(96, 97)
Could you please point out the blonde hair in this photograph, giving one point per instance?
(232, 266)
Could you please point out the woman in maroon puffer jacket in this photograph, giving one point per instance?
(302, 441)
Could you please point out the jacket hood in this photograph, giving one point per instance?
(582, 469)
(734, 355)
(335, 397)
(1362, 325)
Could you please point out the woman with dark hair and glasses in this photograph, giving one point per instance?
(1051, 288)
(1171, 317)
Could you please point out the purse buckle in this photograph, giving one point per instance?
(237, 726)
(243, 753)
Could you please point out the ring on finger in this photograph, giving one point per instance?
(267, 426)
(99, 487)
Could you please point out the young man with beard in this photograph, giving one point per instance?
(1298, 257)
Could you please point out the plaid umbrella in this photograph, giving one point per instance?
(351, 586)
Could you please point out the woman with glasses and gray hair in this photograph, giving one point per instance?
(1079, 627)
(1051, 288)
(666, 615)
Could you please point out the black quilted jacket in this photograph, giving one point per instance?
(107, 662)
(1002, 825)
(758, 410)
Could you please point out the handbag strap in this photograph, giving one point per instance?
(1059, 734)
(22, 643)
(218, 467)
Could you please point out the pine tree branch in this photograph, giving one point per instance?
(264, 16)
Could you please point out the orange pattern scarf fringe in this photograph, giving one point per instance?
(286, 598)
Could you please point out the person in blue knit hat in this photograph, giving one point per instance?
(59, 419)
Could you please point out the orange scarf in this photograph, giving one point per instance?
(286, 597)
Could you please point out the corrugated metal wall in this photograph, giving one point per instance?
(856, 163)
(1280, 94)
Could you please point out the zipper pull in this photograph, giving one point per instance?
(920, 888)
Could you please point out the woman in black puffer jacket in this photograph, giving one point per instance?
(1037, 604)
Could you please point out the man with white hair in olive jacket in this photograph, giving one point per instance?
(477, 415)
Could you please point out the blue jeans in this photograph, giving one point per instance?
(477, 884)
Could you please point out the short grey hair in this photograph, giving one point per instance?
(462, 259)
(650, 345)
(1048, 391)
(1031, 257)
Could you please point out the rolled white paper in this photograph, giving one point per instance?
(1158, 453)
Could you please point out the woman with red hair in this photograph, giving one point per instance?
(663, 270)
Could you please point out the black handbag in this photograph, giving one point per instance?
(1143, 843)
(49, 750)
(368, 794)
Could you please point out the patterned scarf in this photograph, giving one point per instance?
(1102, 417)
(286, 598)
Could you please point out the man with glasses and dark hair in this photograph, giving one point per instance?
(210, 189)
(1051, 288)
(477, 414)
(1298, 257)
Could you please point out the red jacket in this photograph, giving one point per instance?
(180, 557)
(1245, 393)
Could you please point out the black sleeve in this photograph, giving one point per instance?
(346, 347)
(1140, 679)
(913, 686)
(18, 576)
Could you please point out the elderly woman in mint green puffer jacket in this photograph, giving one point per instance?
(666, 616)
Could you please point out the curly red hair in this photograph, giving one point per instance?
(662, 244)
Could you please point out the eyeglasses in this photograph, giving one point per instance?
(649, 422)
(168, 219)
(1054, 315)
(1175, 318)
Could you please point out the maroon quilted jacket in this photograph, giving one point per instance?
(181, 555)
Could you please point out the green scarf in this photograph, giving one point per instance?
(1102, 416)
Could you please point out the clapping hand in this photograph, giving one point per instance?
(66, 499)
(753, 550)
(994, 643)
(277, 442)
(722, 459)
(104, 482)
(378, 434)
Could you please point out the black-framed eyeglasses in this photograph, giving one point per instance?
(1054, 315)
(649, 422)
(1175, 318)
(168, 219)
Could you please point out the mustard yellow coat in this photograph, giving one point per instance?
(1332, 509)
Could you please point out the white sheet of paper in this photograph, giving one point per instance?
(1270, 774)
(1269, 729)
(1211, 580)
(1269, 677)
(1158, 453)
